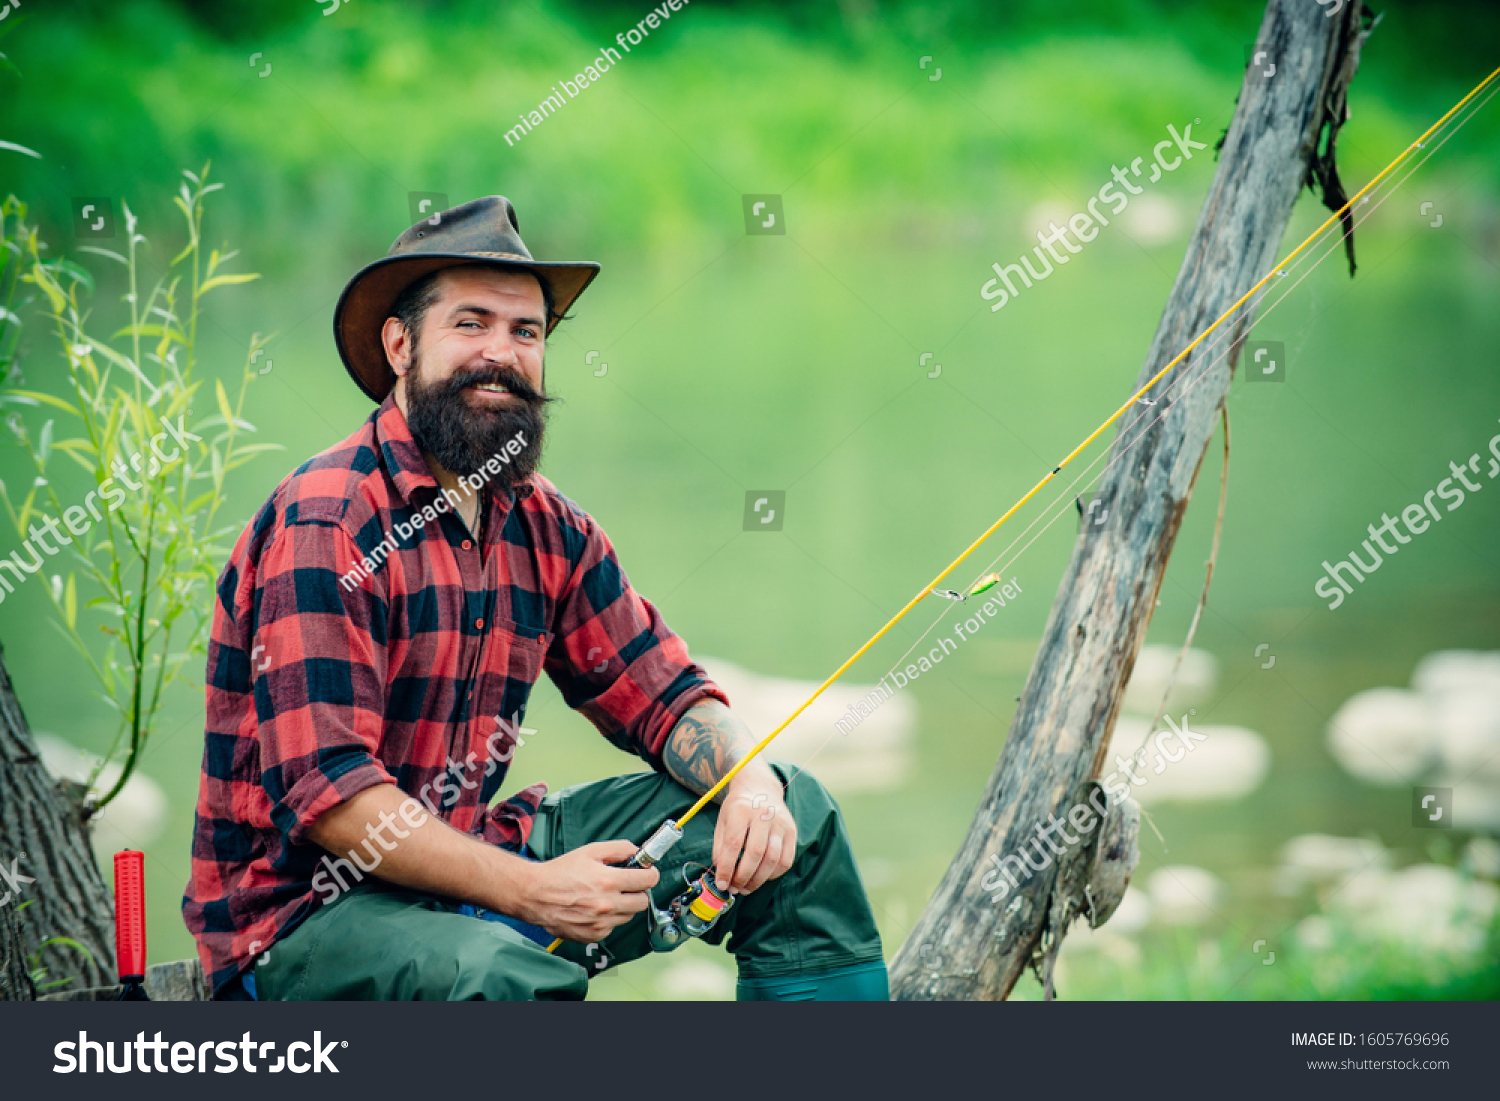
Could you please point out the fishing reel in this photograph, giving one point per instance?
(690, 914)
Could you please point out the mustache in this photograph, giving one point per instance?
(512, 380)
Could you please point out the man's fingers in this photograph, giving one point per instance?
(755, 848)
(631, 880)
(729, 838)
(770, 863)
(611, 852)
(632, 904)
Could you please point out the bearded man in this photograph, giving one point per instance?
(376, 635)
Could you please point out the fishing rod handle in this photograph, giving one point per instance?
(657, 846)
(130, 914)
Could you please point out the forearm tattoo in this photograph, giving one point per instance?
(706, 743)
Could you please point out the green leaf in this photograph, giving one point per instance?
(13, 147)
(36, 396)
(104, 252)
(77, 271)
(74, 446)
(152, 330)
(55, 297)
(44, 444)
(67, 942)
(223, 402)
(70, 603)
(122, 361)
(225, 280)
(24, 515)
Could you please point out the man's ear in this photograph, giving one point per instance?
(397, 343)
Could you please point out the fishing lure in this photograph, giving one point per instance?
(988, 581)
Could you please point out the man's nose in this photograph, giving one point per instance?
(500, 351)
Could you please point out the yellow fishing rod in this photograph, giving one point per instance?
(703, 896)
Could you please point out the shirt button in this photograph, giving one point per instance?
(479, 624)
(467, 545)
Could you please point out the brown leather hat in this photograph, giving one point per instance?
(484, 230)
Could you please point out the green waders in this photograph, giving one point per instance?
(809, 934)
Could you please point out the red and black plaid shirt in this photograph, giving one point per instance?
(319, 686)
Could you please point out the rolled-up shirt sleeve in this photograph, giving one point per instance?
(318, 669)
(613, 657)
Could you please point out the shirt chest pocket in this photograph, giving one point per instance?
(509, 664)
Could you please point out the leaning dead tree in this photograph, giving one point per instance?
(43, 830)
(966, 946)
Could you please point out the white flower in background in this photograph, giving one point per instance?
(1383, 735)
(1443, 732)
(1463, 690)
(1427, 907)
(1182, 894)
(1424, 907)
(1317, 859)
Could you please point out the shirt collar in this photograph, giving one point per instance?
(403, 458)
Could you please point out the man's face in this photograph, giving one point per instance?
(472, 377)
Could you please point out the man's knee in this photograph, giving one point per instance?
(813, 808)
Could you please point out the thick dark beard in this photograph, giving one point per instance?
(463, 438)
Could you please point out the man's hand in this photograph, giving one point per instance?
(756, 839)
(578, 896)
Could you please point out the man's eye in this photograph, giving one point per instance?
(527, 330)
(476, 324)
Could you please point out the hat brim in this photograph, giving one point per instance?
(367, 300)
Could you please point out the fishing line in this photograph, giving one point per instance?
(1334, 243)
(1309, 262)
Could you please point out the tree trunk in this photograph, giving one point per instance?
(965, 946)
(15, 977)
(43, 830)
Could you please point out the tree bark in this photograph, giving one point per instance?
(42, 828)
(15, 976)
(964, 945)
